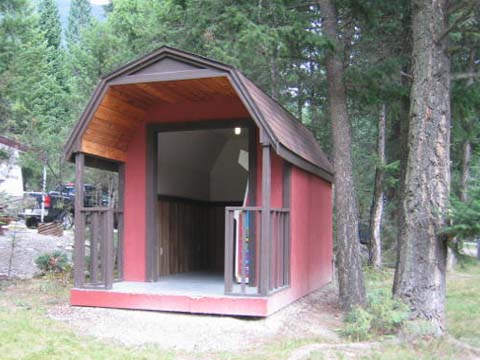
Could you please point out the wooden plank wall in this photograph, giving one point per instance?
(190, 236)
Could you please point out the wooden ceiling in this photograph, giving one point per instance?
(124, 108)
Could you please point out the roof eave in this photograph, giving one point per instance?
(306, 165)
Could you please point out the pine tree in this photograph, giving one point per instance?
(51, 28)
(49, 23)
(350, 275)
(421, 265)
(20, 48)
(79, 19)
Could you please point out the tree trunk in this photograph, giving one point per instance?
(350, 275)
(466, 155)
(403, 154)
(376, 211)
(421, 265)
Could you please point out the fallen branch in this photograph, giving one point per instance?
(466, 75)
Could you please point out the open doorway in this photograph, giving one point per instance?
(199, 173)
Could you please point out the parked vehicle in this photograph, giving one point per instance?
(59, 204)
(58, 208)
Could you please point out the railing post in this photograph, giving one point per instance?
(120, 217)
(108, 249)
(94, 229)
(228, 251)
(243, 241)
(79, 249)
(287, 260)
(265, 241)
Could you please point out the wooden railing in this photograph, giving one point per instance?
(279, 249)
(99, 256)
(256, 265)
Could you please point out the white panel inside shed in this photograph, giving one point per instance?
(202, 164)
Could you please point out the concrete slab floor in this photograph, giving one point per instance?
(186, 284)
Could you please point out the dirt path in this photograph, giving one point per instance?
(315, 316)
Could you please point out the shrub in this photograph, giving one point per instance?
(357, 324)
(383, 315)
(55, 261)
(388, 313)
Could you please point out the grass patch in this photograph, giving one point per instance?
(436, 349)
(27, 333)
(463, 316)
(463, 303)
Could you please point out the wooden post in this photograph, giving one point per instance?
(79, 250)
(243, 240)
(265, 241)
(228, 251)
(287, 252)
(151, 270)
(252, 201)
(94, 229)
(121, 222)
(108, 248)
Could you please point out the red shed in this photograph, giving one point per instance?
(225, 199)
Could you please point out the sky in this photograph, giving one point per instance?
(99, 2)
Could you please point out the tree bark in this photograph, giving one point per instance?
(350, 275)
(421, 263)
(376, 211)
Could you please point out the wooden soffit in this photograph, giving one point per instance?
(169, 76)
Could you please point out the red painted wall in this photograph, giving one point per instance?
(311, 237)
(135, 172)
(135, 219)
(276, 200)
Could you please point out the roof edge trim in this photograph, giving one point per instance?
(298, 161)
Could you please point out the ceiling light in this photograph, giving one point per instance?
(238, 131)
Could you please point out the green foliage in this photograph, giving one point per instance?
(388, 313)
(382, 316)
(465, 216)
(50, 22)
(79, 19)
(55, 261)
(357, 324)
(4, 155)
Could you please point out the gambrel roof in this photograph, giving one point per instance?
(168, 75)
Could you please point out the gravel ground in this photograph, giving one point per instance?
(313, 316)
(27, 245)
